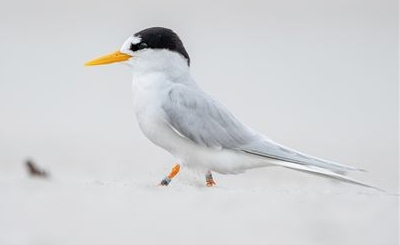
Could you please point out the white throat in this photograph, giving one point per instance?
(171, 65)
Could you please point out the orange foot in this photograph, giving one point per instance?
(210, 183)
(209, 179)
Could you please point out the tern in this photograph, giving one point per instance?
(176, 115)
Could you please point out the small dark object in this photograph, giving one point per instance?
(35, 171)
(165, 181)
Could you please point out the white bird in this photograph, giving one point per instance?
(176, 115)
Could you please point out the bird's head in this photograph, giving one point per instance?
(152, 47)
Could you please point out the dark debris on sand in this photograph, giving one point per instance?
(34, 170)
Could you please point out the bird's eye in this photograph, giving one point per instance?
(142, 45)
(134, 47)
(138, 46)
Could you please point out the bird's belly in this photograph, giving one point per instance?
(157, 131)
(224, 161)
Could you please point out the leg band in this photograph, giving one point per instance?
(165, 181)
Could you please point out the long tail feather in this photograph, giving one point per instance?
(321, 172)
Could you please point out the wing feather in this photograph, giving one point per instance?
(206, 122)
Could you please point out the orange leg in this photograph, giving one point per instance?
(174, 171)
(209, 179)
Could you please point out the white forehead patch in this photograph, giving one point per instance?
(127, 44)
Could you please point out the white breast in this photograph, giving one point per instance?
(148, 92)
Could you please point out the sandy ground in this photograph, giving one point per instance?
(64, 210)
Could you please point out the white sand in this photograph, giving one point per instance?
(238, 211)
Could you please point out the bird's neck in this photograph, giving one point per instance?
(170, 65)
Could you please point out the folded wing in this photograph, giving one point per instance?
(198, 117)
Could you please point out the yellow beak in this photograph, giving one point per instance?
(108, 59)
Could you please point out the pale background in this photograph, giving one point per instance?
(318, 76)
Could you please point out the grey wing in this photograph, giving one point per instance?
(198, 117)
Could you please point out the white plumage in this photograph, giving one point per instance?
(175, 114)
